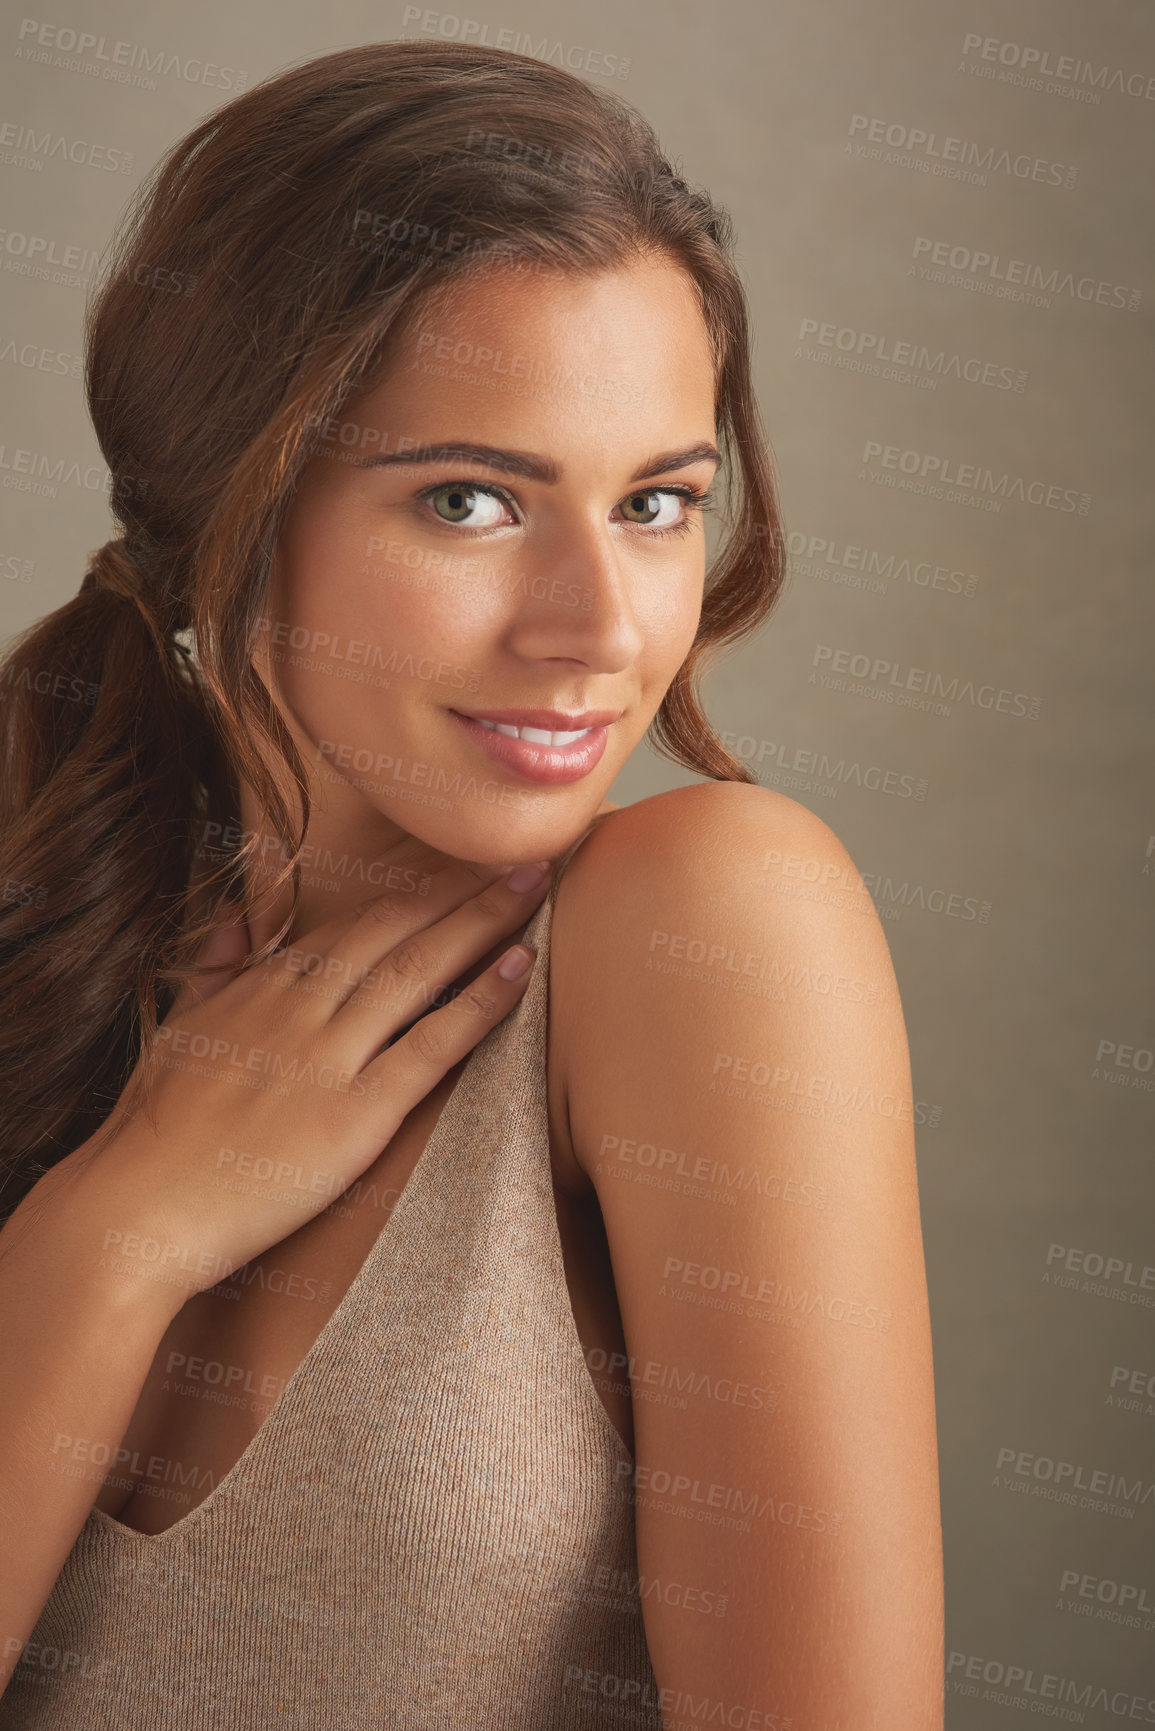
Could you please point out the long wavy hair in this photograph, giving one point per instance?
(250, 290)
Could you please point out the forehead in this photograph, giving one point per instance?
(623, 354)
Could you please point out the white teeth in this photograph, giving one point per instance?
(542, 735)
(535, 735)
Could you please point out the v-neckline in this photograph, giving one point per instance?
(450, 1115)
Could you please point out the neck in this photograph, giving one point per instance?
(348, 857)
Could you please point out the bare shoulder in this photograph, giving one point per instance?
(738, 1094)
(711, 884)
(706, 840)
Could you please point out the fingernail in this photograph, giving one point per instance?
(524, 878)
(515, 963)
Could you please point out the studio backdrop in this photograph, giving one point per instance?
(944, 220)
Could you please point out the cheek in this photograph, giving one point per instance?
(668, 622)
(365, 632)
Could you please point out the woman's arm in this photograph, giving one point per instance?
(75, 1347)
(739, 1091)
(77, 1335)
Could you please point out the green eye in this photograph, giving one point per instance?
(642, 507)
(458, 502)
(454, 503)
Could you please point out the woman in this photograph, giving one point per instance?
(394, 1336)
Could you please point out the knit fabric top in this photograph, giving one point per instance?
(434, 1525)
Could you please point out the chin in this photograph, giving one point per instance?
(540, 825)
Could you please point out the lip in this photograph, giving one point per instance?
(557, 720)
(553, 765)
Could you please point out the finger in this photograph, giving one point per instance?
(406, 982)
(329, 965)
(346, 946)
(422, 1055)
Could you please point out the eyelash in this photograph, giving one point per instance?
(695, 500)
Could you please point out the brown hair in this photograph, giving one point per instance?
(251, 288)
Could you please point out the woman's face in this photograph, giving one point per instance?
(500, 528)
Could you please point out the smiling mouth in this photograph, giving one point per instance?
(552, 728)
(552, 746)
(534, 735)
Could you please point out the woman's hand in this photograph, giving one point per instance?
(275, 1089)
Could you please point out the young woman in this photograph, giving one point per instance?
(393, 1335)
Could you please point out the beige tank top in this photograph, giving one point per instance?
(434, 1526)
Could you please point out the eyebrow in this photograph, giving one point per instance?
(532, 468)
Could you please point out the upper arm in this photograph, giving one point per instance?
(738, 1088)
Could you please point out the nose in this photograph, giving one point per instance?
(573, 602)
